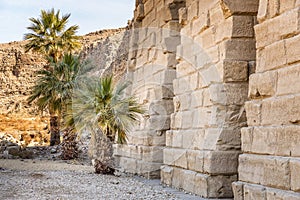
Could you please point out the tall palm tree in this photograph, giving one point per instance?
(104, 110)
(50, 35)
(53, 90)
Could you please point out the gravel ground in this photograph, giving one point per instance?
(42, 179)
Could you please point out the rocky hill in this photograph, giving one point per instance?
(106, 49)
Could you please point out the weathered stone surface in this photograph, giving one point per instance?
(238, 190)
(279, 141)
(271, 57)
(281, 111)
(262, 84)
(254, 192)
(265, 170)
(234, 71)
(220, 162)
(295, 175)
(231, 7)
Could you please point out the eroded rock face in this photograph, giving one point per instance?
(106, 48)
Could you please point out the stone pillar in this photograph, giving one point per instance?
(151, 68)
(217, 49)
(269, 167)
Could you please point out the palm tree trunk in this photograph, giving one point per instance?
(101, 151)
(54, 130)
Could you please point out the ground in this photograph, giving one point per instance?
(49, 179)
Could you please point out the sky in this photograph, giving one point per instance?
(90, 15)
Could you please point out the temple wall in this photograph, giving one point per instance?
(215, 56)
(269, 167)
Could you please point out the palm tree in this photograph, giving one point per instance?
(107, 113)
(50, 36)
(53, 90)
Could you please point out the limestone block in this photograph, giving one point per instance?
(159, 122)
(293, 49)
(228, 94)
(274, 194)
(180, 158)
(181, 85)
(288, 80)
(289, 22)
(242, 26)
(157, 140)
(216, 15)
(161, 107)
(286, 5)
(221, 162)
(169, 138)
(166, 175)
(149, 20)
(196, 99)
(184, 68)
(176, 121)
(285, 110)
(139, 13)
(262, 84)
(148, 6)
(266, 33)
(201, 186)
(164, 92)
(206, 39)
(189, 180)
(188, 138)
(262, 10)
(266, 170)
(254, 192)
(187, 121)
(204, 58)
(177, 179)
(238, 49)
(182, 12)
(220, 186)
(168, 156)
(238, 190)
(271, 57)
(235, 71)
(201, 117)
(273, 8)
(177, 139)
(253, 112)
(200, 24)
(170, 44)
(295, 175)
(274, 29)
(128, 164)
(281, 140)
(148, 169)
(192, 10)
(168, 76)
(231, 7)
(222, 139)
(235, 26)
(195, 159)
(151, 154)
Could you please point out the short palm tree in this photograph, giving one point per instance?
(103, 109)
(50, 36)
(53, 90)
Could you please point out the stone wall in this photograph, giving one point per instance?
(269, 167)
(151, 69)
(189, 63)
(217, 48)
